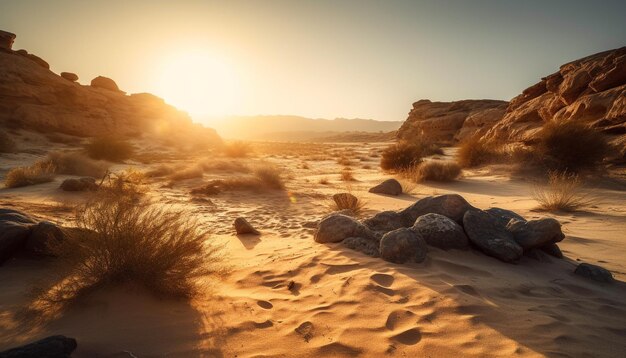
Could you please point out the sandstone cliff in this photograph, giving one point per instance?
(451, 121)
(35, 98)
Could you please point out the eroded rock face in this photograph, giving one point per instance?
(6, 40)
(490, 236)
(388, 187)
(450, 121)
(440, 231)
(403, 245)
(591, 90)
(337, 227)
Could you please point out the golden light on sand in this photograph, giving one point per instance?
(199, 82)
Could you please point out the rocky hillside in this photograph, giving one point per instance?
(33, 97)
(451, 121)
(591, 89)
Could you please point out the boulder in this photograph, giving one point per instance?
(386, 221)
(105, 83)
(453, 206)
(6, 40)
(368, 246)
(72, 77)
(489, 234)
(388, 187)
(15, 227)
(440, 231)
(49, 347)
(82, 184)
(553, 250)
(345, 200)
(43, 239)
(535, 233)
(504, 215)
(243, 227)
(337, 227)
(403, 245)
(594, 272)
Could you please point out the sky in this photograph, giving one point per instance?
(320, 59)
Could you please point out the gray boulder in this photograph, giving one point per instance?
(386, 221)
(368, 246)
(594, 272)
(505, 215)
(440, 231)
(490, 236)
(388, 187)
(535, 233)
(453, 206)
(337, 227)
(50, 347)
(14, 230)
(403, 245)
(243, 227)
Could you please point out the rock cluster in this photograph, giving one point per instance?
(446, 222)
(21, 233)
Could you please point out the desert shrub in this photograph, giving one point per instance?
(7, 144)
(435, 170)
(401, 156)
(408, 185)
(476, 151)
(563, 192)
(344, 161)
(270, 177)
(186, 174)
(570, 146)
(129, 183)
(347, 202)
(224, 165)
(237, 149)
(38, 173)
(74, 163)
(122, 241)
(109, 148)
(346, 175)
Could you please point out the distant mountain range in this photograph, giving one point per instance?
(296, 128)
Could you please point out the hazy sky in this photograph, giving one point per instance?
(368, 59)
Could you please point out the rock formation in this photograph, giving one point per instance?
(450, 121)
(33, 97)
(6, 40)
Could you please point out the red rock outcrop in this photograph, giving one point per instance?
(6, 40)
(591, 90)
(451, 121)
(33, 97)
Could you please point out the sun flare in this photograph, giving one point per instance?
(199, 82)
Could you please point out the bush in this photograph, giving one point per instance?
(347, 202)
(346, 175)
(435, 170)
(563, 192)
(237, 149)
(38, 173)
(401, 156)
(121, 241)
(109, 148)
(74, 163)
(570, 146)
(270, 177)
(476, 151)
(264, 178)
(129, 183)
(7, 144)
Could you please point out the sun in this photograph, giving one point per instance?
(199, 82)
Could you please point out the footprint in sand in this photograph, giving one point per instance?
(265, 304)
(397, 318)
(382, 279)
(305, 330)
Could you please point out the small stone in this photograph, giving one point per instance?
(535, 233)
(337, 227)
(594, 272)
(72, 77)
(242, 227)
(388, 187)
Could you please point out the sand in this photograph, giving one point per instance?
(288, 296)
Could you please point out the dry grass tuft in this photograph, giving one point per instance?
(408, 186)
(270, 177)
(347, 202)
(562, 193)
(324, 181)
(344, 161)
(265, 178)
(109, 148)
(7, 144)
(476, 151)
(130, 183)
(237, 149)
(401, 156)
(38, 173)
(74, 163)
(224, 165)
(434, 170)
(346, 175)
(121, 241)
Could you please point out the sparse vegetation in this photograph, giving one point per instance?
(7, 144)
(209, 165)
(401, 156)
(123, 241)
(270, 177)
(563, 192)
(476, 151)
(192, 172)
(109, 148)
(434, 170)
(237, 149)
(75, 163)
(346, 175)
(324, 181)
(347, 202)
(265, 178)
(38, 173)
(570, 146)
(129, 183)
